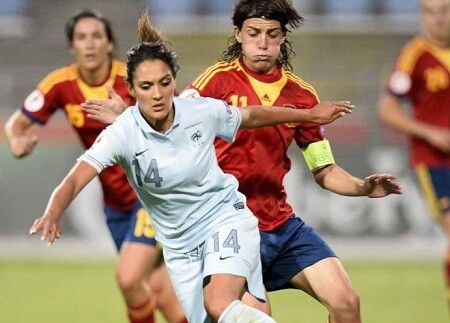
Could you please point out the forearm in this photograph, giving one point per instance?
(391, 113)
(80, 175)
(335, 179)
(16, 126)
(60, 199)
(261, 116)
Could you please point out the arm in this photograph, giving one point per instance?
(391, 113)
(80, 175)
(322, 113)
(16, 127)
(337, 180)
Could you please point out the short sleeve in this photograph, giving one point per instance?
(106, 150)
(228, 119)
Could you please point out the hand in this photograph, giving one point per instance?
(105, 110)
(380, 185)
(49, 226)
(328, 111)
(22, 145)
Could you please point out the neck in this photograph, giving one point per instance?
(96, 76)
(441, 42)
(160, 125)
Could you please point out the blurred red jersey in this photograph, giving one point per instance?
(65, 89)
(422, 74)
(258, 157)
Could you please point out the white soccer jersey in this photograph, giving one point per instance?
(175, 174)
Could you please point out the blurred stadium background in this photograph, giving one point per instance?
(345, 50)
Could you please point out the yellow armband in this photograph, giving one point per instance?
(318, 154)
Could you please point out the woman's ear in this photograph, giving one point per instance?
(237, 35)
(110, 48)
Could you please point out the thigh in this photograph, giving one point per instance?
(326, 280)
(233, 248)
(185, 271)
(289, 250)
(137, 260)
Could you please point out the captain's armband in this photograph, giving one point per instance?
(318, 154)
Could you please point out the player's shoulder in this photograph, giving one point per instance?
(118, 68)
(217, 71)
(60, 75)
(124, 124)
(193, 103)
(412, 51)
(198, 106)
(299, 82)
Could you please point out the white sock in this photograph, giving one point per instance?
(238, 312)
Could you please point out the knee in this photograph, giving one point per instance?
(127, 283)
(347, 302)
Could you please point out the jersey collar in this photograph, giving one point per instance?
(143, 124)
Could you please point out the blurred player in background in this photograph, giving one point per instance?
(421, 78)
(96, 74)
(256, 69)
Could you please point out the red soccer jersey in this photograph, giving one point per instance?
(65, 89)
(258, 157)
(422, 73)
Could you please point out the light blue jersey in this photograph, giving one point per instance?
(176, 174)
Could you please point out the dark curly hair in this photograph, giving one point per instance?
(279, 10)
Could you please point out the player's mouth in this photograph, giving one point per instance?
(90, 57)
(262, 58)
(158, 107)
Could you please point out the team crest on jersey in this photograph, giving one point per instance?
(35, 101)
(196, 135)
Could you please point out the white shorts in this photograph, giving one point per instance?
(231, 248)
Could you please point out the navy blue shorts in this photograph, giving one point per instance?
(288, 250)
(435, 185)
(135, 225)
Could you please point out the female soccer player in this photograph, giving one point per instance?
(92, 42)
(256, 69)
(165, 145)
(421, 78)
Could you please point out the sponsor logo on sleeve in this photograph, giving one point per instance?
(399, 83)
(35, 101)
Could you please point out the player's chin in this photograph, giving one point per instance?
(263, 66)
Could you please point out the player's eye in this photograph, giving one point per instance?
(166, 82)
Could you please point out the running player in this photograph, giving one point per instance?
(92, 42)
(256, 69)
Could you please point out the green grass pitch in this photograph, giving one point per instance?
(84, 291)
